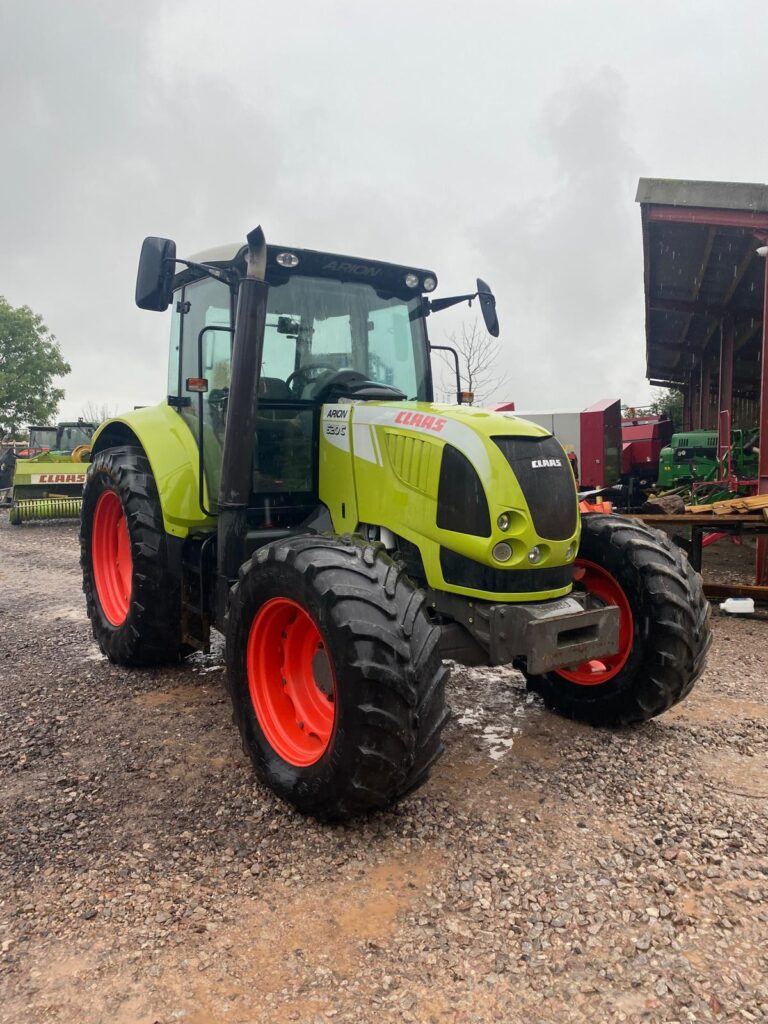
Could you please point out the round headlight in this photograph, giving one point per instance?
(502, 551)
(503, 522)
(411, 280)
(534, 555)
(429, 284)
(570, 552)
(287, 259)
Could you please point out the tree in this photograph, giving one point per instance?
(97, 412)
(670, 404)
(478, 353)
(30, 359)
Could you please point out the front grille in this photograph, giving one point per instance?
(546, 480)
(461, 571)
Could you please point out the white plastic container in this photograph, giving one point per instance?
(738, 606)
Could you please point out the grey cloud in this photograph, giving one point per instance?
(418, 132)
(573, 281)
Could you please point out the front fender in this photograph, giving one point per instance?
(172, 451)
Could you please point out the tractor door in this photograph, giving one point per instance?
(284, 479)
(199, 370)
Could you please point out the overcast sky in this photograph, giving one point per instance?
(500, 139)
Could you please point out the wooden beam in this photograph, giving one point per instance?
(761, 568)
(725, 393)
(739, 273)
(746, 334)
(704, 215)
(715, 591)
(709, 242)
(703, 519)
(685, 306)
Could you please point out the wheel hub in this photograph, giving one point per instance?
(599, 583)
(291, 681)
(111, 557)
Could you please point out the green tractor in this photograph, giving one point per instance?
(691, 458)
(299, 492)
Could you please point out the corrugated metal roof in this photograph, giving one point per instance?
(700, 240)
(721, 195)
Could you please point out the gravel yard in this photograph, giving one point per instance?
(548, 872)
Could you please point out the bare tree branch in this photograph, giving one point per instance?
(97, 412)
(478, 353)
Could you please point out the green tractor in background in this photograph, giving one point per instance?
(49, 474)
(300, 492)
(690, 461)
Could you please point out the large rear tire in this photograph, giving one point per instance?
(664, 631)
(133, 600)
(335, 676)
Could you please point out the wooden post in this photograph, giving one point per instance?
(725, 391)
(761, 575)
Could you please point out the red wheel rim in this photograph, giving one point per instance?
(291, 682)
(599, 582)
(111, 557)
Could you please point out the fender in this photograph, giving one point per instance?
(171, 448)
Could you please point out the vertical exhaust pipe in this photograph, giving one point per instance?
(242, 408)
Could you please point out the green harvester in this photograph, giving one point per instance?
(49, 475)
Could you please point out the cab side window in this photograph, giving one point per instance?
(174, 349)
(207, 303)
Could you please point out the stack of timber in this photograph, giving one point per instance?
(733, 506)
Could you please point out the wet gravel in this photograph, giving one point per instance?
(549, 872)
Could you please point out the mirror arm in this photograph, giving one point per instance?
(229, 277)
(435, 305)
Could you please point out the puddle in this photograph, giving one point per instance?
(176, 695)
(736, 774)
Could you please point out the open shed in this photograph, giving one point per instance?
(706, 292)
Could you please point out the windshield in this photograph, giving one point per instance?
(74, 435)
(42, 437)
(316, 327)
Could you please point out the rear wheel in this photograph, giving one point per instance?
(132, 598)
(335, 676)
(664, 630)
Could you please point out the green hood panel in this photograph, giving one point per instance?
(380, 464)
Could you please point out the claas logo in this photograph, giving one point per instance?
(420, 419)
(61, 478)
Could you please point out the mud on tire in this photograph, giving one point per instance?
(671, 634)
(389, 678)
(150, 634)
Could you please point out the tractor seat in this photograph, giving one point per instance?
(276, 389)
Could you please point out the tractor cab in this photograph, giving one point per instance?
(336, 330)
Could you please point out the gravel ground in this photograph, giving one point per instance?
(547, 873)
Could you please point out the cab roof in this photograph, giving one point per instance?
(312, 263)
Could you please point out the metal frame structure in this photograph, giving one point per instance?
(706, 295)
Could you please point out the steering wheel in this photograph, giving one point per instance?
(303, 374)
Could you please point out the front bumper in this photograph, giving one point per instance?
(547, 635)
(552, 635)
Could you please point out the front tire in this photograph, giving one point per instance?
(133, 600)
(664, 631)
(335, 676)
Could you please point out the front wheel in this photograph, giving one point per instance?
(335, 675)
(664, 632)
(133, 600)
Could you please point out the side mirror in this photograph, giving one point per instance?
(154, 280)
(488, 307)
